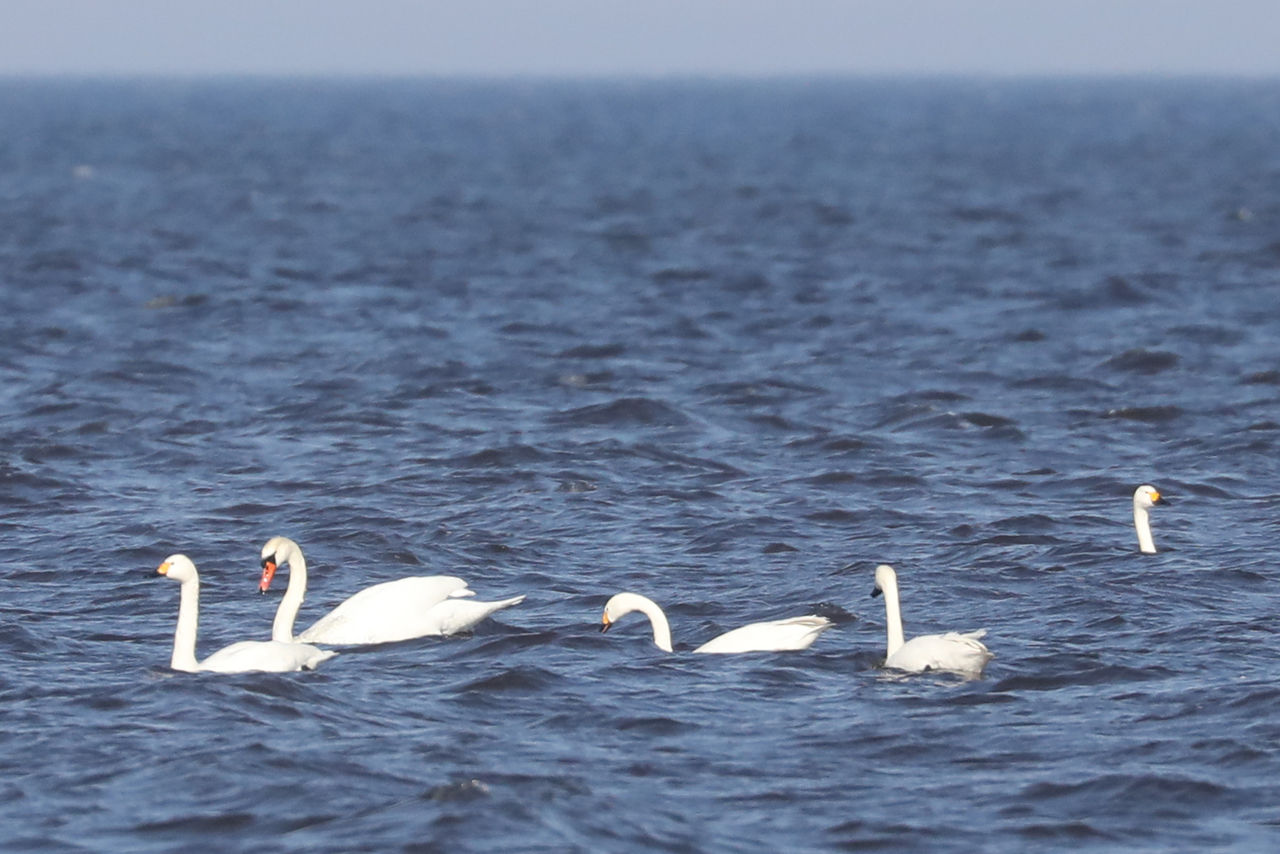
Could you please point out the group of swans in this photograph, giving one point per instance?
(955, 652)
(440, 605)
(384, 613)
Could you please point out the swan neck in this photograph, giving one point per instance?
(893, 617)
(184, 637)
(287, 612)
(1142, 522)
(661, 628)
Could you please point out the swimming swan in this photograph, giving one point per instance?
(774, 636)
(242, 657)
(392, 611)
(1144, 498)
(956, 652)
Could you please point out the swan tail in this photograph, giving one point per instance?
(322, 655)
(457, 616)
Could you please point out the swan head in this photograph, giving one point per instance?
(177, 567)
(277, 551)
(1147, 496)
(885, 577)
(621, 605)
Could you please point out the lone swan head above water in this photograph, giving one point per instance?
(773, 636)
(1144, 498)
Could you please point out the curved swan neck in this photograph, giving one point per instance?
(625, 603)
(184, 636)
(287, 612)
(1142, 522)
(661, 628)
(892, 615)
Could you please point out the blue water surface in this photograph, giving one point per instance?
(727, 344)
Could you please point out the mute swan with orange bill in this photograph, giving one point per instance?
(398, 610)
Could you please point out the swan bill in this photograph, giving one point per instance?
(1157, 498)
(163, 569)
(268, 572)
(605, 623)
(876, 591)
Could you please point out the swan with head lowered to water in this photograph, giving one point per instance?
(398, 610)
(954, 651)
(774, 636)
(242, 657)
(1144, 498)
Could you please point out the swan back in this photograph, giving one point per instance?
(774, 636)
(954, 652)
(391, 611)
(624, 603)
(265, 656)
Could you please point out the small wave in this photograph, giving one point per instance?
(508, 456)
(1126, 792)
(655, 726)
(681, 274)
(626, 411)
(593, 351)
(1263, 378)
(987, 214)
(1142, 361)
(464, 790)
(1149, 414)
(520, 679)
(1111, 292)
(1068, 831)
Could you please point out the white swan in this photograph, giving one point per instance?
(774, 636)
(956, 652)
(242, 657)
(1144, 498)
(392, 611)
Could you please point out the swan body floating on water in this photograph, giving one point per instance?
(1144, 498)
(384, 613)
(774, 636)
(954, 651)
(242, 657)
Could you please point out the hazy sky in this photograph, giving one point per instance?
(754, 37)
